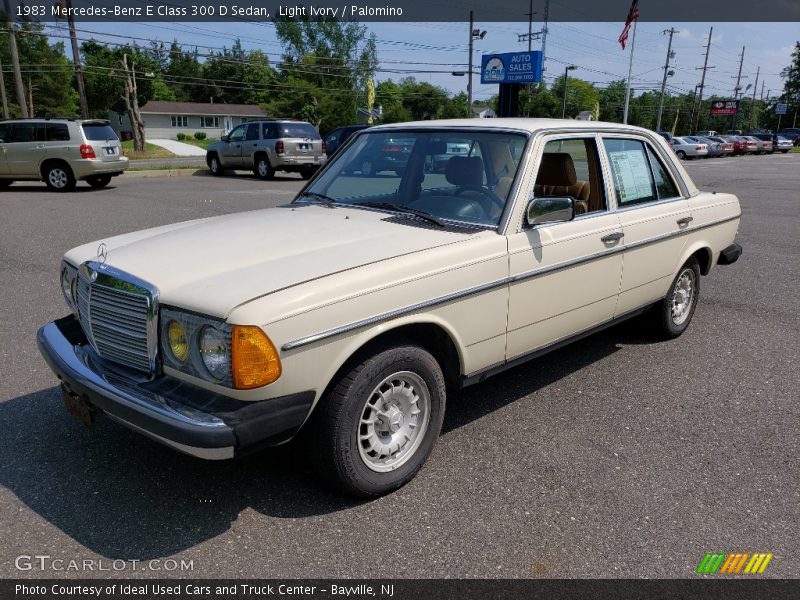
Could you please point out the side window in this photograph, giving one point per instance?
(571, 168)
(665, 186)
(27, 132)
(269, 131)
(57, 132)
(252, 132)
(237, 135)
(4, 131)
(630, 169)
(332, 138)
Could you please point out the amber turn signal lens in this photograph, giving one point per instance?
(255, 360)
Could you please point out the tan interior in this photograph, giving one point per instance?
(557, 177)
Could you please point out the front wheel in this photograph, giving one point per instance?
(215, 166)
(673, 314)
(681, 154)
(376, 428)
(59, 177)
(99, 181)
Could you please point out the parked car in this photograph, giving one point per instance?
(709, 133)
(714, 148)
(336, 138)
(739, 144)
(782, 144)
(381, 155)
(685, 148)
(791, 133)
(438, 162)
(665, 134)
(751, 144)
(356, 310)
(727, 144)
(763, 142)
(268, 146)
(59, 152)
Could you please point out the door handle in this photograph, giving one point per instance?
(612, 237)
(38, 146)
(685, 221)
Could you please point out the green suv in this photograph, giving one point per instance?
(59, 152)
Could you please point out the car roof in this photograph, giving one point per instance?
(522, 124)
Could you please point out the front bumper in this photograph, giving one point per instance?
(188, 418)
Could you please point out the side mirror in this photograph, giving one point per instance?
(549, 210)
(225, 139)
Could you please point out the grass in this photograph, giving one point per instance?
(796, 149)
(150, 151)
(204, 144)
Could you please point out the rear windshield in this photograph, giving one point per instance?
(96, 132)
(298, 130)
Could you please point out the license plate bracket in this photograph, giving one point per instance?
(79, 407)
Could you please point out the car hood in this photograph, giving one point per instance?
(214, 265)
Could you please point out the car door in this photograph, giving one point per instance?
(250, 144)
(653, 212)
(565, 276)
(232, 151)
(26, 149)
(5, 131)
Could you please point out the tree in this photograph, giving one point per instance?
(581, 95)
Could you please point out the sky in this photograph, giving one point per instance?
(431, 51)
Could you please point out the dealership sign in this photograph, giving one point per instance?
(724, 108)
(512, 67)
(780, 108)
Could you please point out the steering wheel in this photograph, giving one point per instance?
(486, 193)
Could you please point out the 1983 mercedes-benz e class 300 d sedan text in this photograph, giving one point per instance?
(348, 314)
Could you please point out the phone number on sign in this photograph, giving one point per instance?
(199, 10)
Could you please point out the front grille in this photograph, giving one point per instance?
(116, 316)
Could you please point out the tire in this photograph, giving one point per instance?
(405, 378)
(669, 318)
(367, 168)
(262, 168)
(5, 183)
(59, 178)
(215, 165)
(307, 173)
(681, 154)
(99, 181)
(784, 151)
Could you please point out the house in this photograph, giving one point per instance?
(166, 119)
(483, 112)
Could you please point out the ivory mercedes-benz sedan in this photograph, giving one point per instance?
(350, 315)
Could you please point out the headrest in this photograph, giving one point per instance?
(462, 170)
(558, 169)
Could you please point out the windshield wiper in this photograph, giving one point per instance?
(326, 200)
(425, 216)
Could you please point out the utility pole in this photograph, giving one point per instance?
(3, 91)
(702, 83)
(753, 103)
(12, 46)
(672, 31)
(530, 23)
(469, 69)
(544, 35)
(76, 59)
(737, 88)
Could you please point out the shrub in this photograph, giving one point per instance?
(181, 136)
(199, 135)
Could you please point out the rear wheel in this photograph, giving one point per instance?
(5, 183)
(58, 177)
(262, 168)
(681, 154)
(214, 165)
(99, 181)
(376, 428)
(307, 173)
(672, 315)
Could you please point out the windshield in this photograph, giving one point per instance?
(463, 176)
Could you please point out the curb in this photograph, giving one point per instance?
(181, 172)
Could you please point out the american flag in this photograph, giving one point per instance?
(633, 15)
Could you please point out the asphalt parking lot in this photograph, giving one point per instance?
(613, 457)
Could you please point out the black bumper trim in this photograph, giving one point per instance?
(730, 255)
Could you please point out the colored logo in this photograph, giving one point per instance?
(494, 70)
(721, 563)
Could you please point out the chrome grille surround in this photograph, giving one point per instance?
(119, 315)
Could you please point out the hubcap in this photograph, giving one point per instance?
(58, 178)
(214, 165)
(393, 421)
(683, 296)
(262, 168)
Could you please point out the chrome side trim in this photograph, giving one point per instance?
(291, 345)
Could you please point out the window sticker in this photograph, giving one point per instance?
(631, 175)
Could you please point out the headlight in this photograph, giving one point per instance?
(177, 342)
(235, 356)
(214, 351)
(69, 282)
